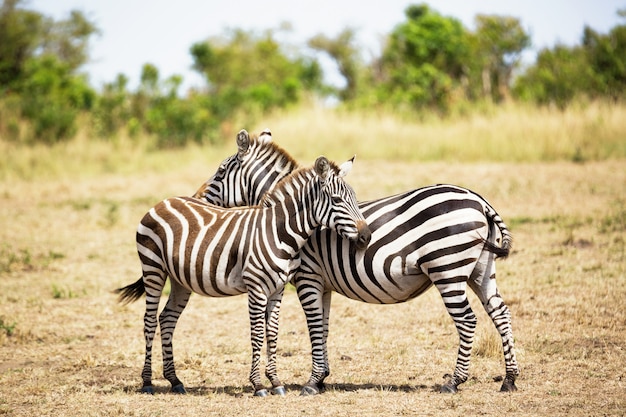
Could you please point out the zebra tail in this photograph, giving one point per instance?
(132, 292)
(504, 249)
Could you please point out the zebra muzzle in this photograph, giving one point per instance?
(364, 236)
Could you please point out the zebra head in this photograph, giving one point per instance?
(243, 178)
(337, 206)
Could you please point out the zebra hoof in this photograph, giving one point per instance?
(309, 390)
(508, 386)
(279, 391)
(179, 389)
(261, 393)
(147, 389)
(448, 389)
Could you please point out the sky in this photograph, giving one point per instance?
(161, 32)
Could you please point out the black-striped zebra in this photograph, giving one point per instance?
(220, 252)
(441, 235)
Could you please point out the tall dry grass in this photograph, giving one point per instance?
(513, 133)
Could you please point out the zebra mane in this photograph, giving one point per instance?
(282, 188)
(270, 147)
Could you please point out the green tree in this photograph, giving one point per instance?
(20, 36)
(606, 55)
(595, 69)
(27, 34)
(112, 112)
(423, 62)
(344, 51)
(39, 59)
(52, 97)
(559, 75)
(246, 72)
(497, 46)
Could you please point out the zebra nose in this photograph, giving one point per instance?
(365, 235)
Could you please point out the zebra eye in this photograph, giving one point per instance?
(337, 199)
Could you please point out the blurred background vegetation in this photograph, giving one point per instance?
(431, 66)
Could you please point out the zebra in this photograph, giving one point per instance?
(442, 235)
(221, 252)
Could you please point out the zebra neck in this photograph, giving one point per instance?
(291, 230)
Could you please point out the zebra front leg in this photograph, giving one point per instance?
(457, 304)
(310, 293)
(176, 303)
(271, 330)
(326, 299)
(257, 306)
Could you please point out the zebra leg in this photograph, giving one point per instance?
(257, 307)
(326, 299)
(456, 302)
(271, 330)
(483, 283)
(176, 303)
(311, 295)
(154, 287)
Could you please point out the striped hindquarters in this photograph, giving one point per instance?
(196, 244)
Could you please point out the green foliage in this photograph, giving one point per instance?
(249, 73)
(112, 111)
(10, 259)
(60, 293)
(9, 329)
(156, 109)
(557, 77)
(24, 260)
(497, 45)
(424, 59)
(20, 31)
(606, 56)
(595, 69)
(38, 60)
(52, 98)
(344, 51)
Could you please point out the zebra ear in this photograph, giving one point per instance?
(322, 167)
(346, 167)
(266, 136)
(243, 143)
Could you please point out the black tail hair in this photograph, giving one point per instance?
(500, 252)
(132, 292)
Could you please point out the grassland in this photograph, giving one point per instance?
(68, 215)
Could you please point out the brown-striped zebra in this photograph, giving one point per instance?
(441, 235)
(220, 252)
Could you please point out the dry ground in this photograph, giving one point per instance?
(67, 347)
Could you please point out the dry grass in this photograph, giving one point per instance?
(511, 133)
(67, 347)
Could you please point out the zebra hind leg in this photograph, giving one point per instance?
(257, 308)
(176, 303)
(271, 330)
(495, 307)
(153, 295)
(483, 283)
(457, 304)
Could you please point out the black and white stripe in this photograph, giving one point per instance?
(442, 235)
(219, 252)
